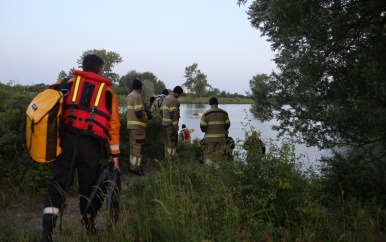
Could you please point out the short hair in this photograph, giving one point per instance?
(213, 101)
(92, 62)
(165, 92)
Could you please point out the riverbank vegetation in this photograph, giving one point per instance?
(268, 198)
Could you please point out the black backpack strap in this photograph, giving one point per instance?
(62, 85)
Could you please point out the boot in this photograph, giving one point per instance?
(49, 221)
(135, 166)
(89, 225)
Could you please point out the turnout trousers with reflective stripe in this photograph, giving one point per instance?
(87, 163)
(137, 140)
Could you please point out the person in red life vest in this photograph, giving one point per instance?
(90, 120)
(185, 133)
(136, 123)
(170, 118)
(215, 124)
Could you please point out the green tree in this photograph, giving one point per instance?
(126, 80)
(331, 85)
(195, 80)
(213, 92)
(147, 90)
(63, 74)
(110, 58)
(158, 85)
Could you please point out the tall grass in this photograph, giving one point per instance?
(268, 198)
(262, 198)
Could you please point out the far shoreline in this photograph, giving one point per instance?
(222, 100)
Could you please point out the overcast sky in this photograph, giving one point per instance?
(42, 37)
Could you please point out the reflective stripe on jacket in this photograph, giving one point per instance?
(136, 113)
(91, 106)
(170, 111)
(215, 123)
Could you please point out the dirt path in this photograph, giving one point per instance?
(26, 212)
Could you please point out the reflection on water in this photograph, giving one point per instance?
(242, 120)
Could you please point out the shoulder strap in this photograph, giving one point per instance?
(160, 100)
(61, 86)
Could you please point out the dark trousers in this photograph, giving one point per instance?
(86, 152)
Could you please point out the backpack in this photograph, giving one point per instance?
(44, 118)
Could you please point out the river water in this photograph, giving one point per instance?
(242, 120)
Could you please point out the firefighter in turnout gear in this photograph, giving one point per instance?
(157, 105)
(215, 124)
(254, 146)
(170, 117)
(136, 123)
(90, 119)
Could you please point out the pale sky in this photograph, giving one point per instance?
(42, 37)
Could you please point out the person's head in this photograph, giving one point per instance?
(184, 126)
(152, 99)
(93, 63)
(165, 92)
(177, 91)
(213, 101)
(136, 84)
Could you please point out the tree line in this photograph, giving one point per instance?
(196, 83)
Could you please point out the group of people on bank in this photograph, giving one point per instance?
(214, 123)
(166, 108)
(91, 119)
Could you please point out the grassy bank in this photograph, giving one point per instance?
(256, 199)
(259, 198)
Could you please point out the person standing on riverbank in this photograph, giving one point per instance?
(148, 108)
(215, 124)
(157, 105)
(229, 147)
(136, 123)
(170, 118)
(87, 126)
(254, 146)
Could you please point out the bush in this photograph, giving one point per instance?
(348, 174)
(13, 158)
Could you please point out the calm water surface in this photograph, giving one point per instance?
(240, 116)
